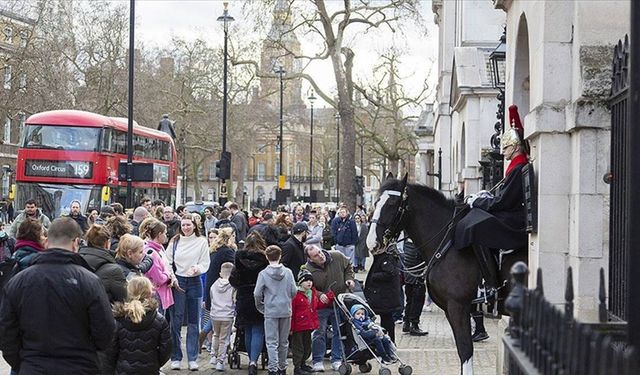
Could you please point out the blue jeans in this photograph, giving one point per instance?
(191, 298)
(253, 341)
(318, 344)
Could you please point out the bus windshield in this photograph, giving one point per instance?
(61, 137)
(55, 200)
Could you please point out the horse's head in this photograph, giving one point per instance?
(388, 218)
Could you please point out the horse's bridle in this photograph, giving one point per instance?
(392, 233)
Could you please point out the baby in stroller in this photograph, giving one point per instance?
(373, 334)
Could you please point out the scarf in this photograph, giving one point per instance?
(33, 244)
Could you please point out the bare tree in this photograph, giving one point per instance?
(331, 26)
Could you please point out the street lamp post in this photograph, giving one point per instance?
(311, 98)
(338, 158)
(280, 71)
(225, 18)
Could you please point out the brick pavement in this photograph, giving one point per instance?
(432, 354)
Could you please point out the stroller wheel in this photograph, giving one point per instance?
(345, 369)
(384, 371)
(365, 367)
(405, 370)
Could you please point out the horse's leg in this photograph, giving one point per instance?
(458, 316)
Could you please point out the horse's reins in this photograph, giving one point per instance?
(421, 270)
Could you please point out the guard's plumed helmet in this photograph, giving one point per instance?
(514, 135)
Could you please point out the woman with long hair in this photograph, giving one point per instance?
(143, 339)
(188, 254)
(155, 234)
(248, 264)
(283, 224)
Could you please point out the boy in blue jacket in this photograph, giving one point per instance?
(372, 334)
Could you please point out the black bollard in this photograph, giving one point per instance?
(513, 303)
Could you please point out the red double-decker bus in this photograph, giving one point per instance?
(70, 155)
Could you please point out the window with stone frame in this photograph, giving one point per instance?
(260, 171)
(22, 118)
(22, 84)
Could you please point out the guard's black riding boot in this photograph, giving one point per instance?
(406, 326)
(480, 333)
(487, 268)
(416, 331)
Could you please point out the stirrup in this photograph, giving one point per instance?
(487, 295)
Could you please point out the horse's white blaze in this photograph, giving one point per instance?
(467, 367)
(371, 237)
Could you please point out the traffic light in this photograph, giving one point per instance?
(359, 185)
(223, 166)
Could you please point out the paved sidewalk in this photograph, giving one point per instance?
(432, 354)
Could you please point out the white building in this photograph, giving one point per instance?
(465, 103)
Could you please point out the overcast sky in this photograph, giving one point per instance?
(158, 20)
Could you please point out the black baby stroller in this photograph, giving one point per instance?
(238, 347)
(354, 348)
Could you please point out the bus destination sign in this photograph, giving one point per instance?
(61, 168)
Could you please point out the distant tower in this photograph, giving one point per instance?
(278, 49)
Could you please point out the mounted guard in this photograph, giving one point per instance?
(498, 221)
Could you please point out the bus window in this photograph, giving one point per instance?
(61, 137)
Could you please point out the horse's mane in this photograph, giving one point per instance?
(430, 193)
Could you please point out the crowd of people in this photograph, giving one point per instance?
(118, 288)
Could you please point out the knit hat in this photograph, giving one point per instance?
(304, 275)
(357, 307)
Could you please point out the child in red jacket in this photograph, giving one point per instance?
(304, 319)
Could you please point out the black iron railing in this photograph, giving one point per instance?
(296, 179)
(618, 251)
(543, 339)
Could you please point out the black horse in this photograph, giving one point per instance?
(424, 214)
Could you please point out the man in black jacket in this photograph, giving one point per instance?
(293, 249)
(55, 315)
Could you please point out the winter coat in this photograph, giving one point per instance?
(222, 296)
(382, 287)
(366, 328)
(498, 222)
(139, 348)
(333, 275)
(128, 269)
(222, 255)
(241, 223)
(314, 237)
(304, 312)
(81, 220)
(160, 273)
(275, 288)
(63, 337)
(344, 231)
(105, 267)
(7, 246)
(248, 265)
(362, 250)
(293, 256)
(327, 237)
(25, 252)
(226, 223)
(13, 230)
